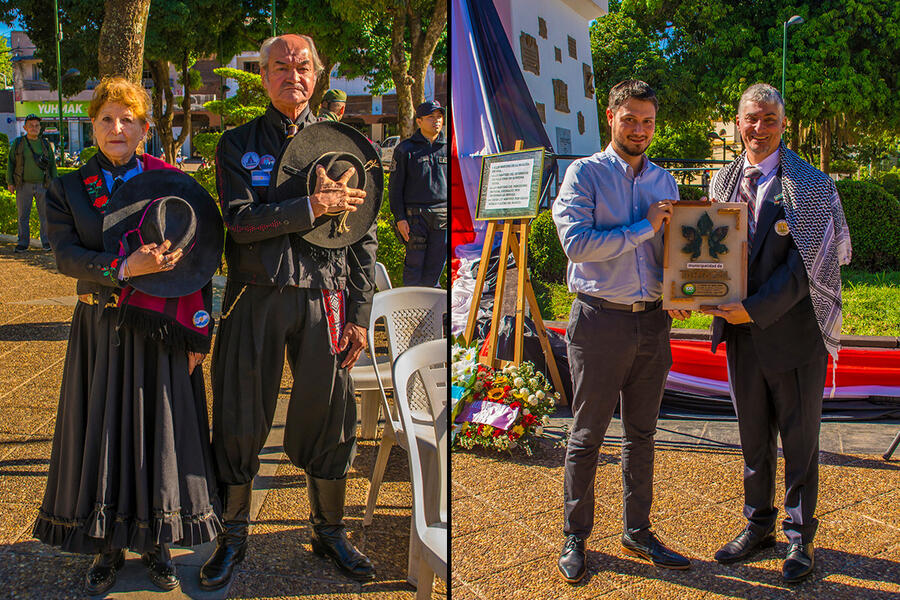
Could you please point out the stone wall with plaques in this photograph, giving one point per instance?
(705, 255)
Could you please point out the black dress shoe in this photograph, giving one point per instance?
(572, 564)
(47, 248)
(799, 563)
(160, 568)
(329, 536)
(102, 574)
(648, 547)
(20, 249)
(746, 544)
(231, 544)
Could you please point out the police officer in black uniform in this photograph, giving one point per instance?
(418, 196)
(274, 300)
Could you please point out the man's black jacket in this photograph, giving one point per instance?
(261, 245)
(418, 174)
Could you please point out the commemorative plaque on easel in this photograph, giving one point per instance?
(705, 255)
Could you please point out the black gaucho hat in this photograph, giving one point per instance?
(160, 205)
(337, 147)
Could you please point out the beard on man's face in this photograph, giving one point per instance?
(624, 145)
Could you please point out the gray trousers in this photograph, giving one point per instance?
(613, 356)
(766, 403)
(25, 193)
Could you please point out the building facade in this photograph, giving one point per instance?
(551, 41)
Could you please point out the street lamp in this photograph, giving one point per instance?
(58, 35)
(795, 20)
(715, 136)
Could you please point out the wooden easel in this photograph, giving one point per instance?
(515, 239)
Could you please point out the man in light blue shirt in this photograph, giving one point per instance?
(609, 215)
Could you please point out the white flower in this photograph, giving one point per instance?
(518, 382)
(540, 395)
(470, 354)
(539, 430)
(525, 411)
(533, 382)
(545, 419)
(532, 400)
(524, 391)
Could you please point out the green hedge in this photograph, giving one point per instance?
(4, 153)
(690, 192)
(873, 216)
(88, 153)
(545, 254)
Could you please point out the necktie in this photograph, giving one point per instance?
(748, 195)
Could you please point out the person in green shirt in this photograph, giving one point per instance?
(29, 169)
(334, 102)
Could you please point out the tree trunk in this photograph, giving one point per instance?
(120, 50)
(164, 113)
(825, 146)
(185, 104)
(322, 85)
(399, 73)
(423, 46)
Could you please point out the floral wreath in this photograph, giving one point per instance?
(497, 408)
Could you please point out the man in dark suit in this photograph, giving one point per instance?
(779, 337)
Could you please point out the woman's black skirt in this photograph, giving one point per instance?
(131, 464)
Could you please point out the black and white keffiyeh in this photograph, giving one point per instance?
(815, 216)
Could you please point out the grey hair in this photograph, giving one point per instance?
(761, 93)
(267, 47)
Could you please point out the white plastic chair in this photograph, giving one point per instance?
(412, 315)
(426, 365)
(363, 374)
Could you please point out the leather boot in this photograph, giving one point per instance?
(329, 538)
(161, 568)
(102, 574)
(231, 544)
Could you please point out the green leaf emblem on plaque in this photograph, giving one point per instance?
(714, 237)
(688, 289)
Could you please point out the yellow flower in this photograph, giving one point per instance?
(487, 430)
(495, 393)
(518, 429)
(501, 380)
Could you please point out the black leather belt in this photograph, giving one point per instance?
(641, 306)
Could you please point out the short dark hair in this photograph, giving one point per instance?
(32, 117)
(631, 88)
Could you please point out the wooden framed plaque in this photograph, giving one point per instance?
(705, 255)
(510, 185)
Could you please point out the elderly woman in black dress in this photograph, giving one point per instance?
(131, 463)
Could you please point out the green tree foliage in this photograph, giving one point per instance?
(5, 65)
(249, 102)
(842, 79)
(206, 143)
(417, 28)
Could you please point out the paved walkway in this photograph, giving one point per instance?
(35, 311)
(507, 520)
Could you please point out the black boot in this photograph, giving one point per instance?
(231, 545)
(161, 568)
(326, 501)
(102, 574)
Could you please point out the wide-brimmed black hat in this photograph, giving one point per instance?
(336, 147)
(160, 205)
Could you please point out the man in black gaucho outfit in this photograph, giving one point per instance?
(300, 266)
